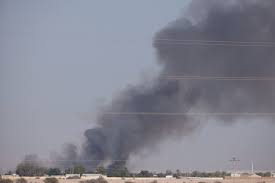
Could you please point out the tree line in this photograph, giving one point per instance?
(34, 169)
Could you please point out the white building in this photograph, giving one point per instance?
(58, 176)
(9, 176)
(169, 176)
(72, 176)
(245, 174)
(92, 176)
(235, 174)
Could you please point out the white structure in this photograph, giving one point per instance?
(235, 174)
(92, 176)
(169, 176)
(272, 174)
(72, 176)
(9, 176)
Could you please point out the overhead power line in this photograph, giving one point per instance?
(220, 44)
(215, 43)
(220, 78)
(187, 114)
(83, 160)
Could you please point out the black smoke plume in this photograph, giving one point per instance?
(117, 137)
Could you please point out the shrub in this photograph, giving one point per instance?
(21, 180)
(51, 180)
(30, 169)
(74, 177)
(89, 181)
(128, 181)
(54, 171)
(99, 180)
(6, 181)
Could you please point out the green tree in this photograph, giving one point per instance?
(267, 174)
(8, 173)
(161, 175)
(195, 174)
(118, 172)
(169, 172)
(101, 170)
(53, 171)
(68, 171)
(30, 169)
(79, 169)
(177, 174)
(30, 166)
(145, 173)
(264, 174)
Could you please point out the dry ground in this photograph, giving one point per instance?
(165, 180)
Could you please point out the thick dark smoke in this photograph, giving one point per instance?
(117, 137)
(215, 20)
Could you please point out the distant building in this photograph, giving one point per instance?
(272, 174)
(68, 176)
(9, 176)
(245, 174)
(235, 174)
(92, 176)
(169, 176)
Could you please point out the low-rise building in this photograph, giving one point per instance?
(245, 174)
(92, 176)
(58, 176)
(235, 174)
(169, 176)
(72, 176)
(9, 176)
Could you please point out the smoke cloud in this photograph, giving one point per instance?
(117, 137)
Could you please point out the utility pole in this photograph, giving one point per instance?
(252, 168)
(234, 161)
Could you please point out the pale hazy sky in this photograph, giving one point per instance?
(62, 59)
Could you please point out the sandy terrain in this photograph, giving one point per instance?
(165, 180)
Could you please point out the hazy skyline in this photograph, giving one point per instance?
(53, 70)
